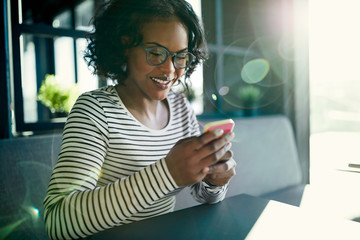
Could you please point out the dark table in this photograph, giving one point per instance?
(238, 217)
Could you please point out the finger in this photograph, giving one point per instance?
(231, 163)
(222, 175)
(221, 178)
(218, 168)
(229, 136)
(208, 137)
(222, 153)
(227, 156)
(222, 167)
(213, 152)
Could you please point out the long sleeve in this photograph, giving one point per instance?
(75, 206)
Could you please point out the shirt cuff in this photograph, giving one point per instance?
(211, 186)
(170, 179)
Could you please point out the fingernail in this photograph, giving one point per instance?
(218, 132)
(228, 146)
(229, 136)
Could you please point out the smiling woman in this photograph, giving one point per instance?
(129, 148)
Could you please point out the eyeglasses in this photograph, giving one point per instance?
(155, 56)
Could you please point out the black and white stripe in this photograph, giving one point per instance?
(111, 169)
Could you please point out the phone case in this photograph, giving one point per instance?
(227, 125)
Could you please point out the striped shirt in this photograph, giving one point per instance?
(111, 168)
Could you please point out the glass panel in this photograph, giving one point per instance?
(210, 92)
(244, 21)
(86, 80)
(252, 85)
(208, 13)
(196, 84)
(60, 62)
(63, 20)
(230, 89)
(64, 60)
(28, 73)
(196, 79)
(83, 14)
(236, 18)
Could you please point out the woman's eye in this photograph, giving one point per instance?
(181, 57)
(157, 53)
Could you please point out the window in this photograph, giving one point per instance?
(48, 39)
(334, 90)
(258, 63)
(248, 72)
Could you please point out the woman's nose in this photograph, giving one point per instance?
(168, 66)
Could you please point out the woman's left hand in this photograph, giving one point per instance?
(222, 172)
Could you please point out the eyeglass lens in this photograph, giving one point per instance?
(158, 56)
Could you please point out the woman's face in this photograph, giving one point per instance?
(154, 82)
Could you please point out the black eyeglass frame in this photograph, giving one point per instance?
(168, 54)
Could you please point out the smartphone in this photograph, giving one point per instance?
(227, 125)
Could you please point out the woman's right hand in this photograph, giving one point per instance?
(189, 160)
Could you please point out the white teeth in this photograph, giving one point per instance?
(160, 81)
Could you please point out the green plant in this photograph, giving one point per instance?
(55, 96)
(249, 94)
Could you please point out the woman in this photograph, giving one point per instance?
(128, 149)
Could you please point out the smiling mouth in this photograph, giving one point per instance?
(163, 83)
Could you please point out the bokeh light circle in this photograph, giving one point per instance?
(254, 71)
(249, 77)
(263, 52)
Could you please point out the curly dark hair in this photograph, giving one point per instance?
(117, 19)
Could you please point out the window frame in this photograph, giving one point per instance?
(5, 96)
(37, 30)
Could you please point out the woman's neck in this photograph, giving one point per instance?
(151, 113)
